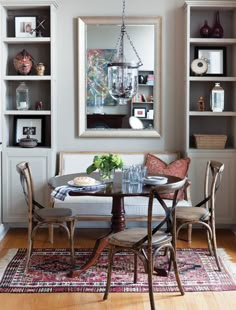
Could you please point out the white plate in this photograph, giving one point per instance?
(155, 180)
(71, 183)
(135, 123)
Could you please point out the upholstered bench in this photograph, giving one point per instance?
(96, 211)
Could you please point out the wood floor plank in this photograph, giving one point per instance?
(17, 238)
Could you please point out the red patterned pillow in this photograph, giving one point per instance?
(178, 168)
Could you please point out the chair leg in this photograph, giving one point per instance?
(150, 283)
(135, 268)
(50, 226)
(209, 242)
(51, 233)
(189, 237)
(28, 255)
(170, 259)
(189, 230)
(110, 263)
(71, 226)
(176, 270)
(215, 247)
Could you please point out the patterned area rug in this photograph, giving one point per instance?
(49, 267)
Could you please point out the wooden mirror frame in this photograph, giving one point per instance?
(83, 131)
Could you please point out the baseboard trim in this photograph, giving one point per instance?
(3, 230)
(107, 224)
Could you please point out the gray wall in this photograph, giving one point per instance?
(172, 74)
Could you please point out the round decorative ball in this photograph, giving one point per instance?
(199, 66)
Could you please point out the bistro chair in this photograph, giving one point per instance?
(39, 215)
(204, 212)
(147, 242)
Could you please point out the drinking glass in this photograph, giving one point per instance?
(135, 174)
(126, 174)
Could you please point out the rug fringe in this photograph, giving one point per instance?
(4, 261)
(229, 265)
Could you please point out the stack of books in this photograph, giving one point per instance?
(150, 79)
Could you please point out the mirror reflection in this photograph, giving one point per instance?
(99, 113)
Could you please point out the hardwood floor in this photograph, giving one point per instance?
(17, 238)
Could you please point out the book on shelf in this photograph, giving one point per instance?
(150, 79)
(139, 98)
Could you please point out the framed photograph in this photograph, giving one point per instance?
(140, 112)
(215, 56)
(29, 124)
(25, 26)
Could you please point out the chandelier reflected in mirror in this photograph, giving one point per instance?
(122, 75)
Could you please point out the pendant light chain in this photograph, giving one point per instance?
(123, 74)
(120, 41)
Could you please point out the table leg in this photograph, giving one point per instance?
(118, 214)
(117, 224)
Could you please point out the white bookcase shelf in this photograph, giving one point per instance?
(208, 122)
(41, 88)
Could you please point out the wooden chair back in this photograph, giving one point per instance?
(213, 177)
(168, 220)
(26, 180)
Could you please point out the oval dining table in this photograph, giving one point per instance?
(117, 190)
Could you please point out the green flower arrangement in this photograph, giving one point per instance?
(106, 164)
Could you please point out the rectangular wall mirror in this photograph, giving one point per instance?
(98, 114)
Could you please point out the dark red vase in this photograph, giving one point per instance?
(217, 30)
(205, 30)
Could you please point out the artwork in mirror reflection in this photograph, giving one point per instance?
(97, 84)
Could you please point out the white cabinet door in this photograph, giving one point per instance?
(14, 205)
(0, 186)
(226, 195)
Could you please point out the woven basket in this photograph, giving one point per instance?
(210, 141)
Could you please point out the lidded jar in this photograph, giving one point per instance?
(22, 97)
(217, 98)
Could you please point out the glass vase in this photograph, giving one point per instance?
(107, 176)
(22, 97)
(217, 98)
(217, 30)
(205, 30)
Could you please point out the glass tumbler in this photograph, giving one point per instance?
(125, 174)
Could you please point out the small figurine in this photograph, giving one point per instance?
(150, 98)
(40, 68)
(38, 105)
(201, 104)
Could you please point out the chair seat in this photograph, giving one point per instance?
(53, 212)
(192, 213)
(128, 237)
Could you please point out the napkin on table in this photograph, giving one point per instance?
(62, 191)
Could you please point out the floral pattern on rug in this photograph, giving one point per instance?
(49, 269)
